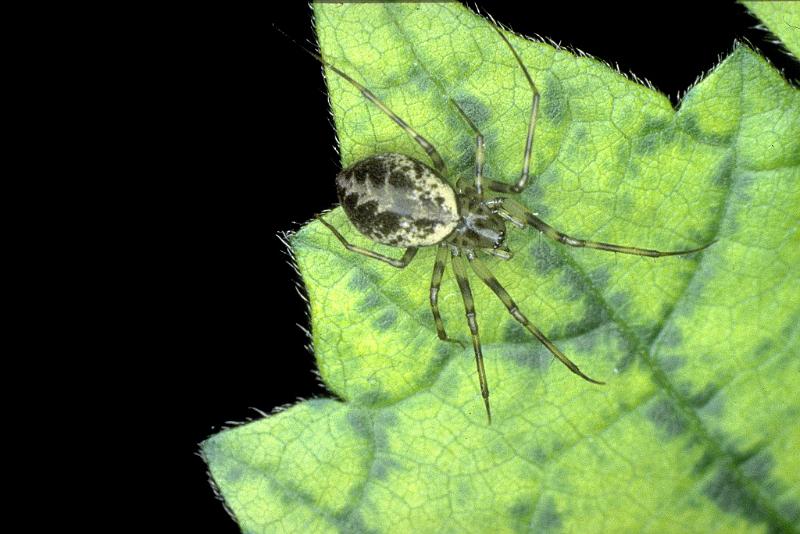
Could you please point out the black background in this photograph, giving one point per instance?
(251, 149)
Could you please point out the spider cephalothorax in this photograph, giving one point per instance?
(398, 201)
(480, 225)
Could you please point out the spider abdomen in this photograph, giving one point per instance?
(396, 200)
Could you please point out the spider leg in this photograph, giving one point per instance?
(438, 162)
(496, 204)
(402, 262)
(460, 270)
(504, 253)
(518, 211)
(488, 278)
(480, 149)
(501, 187)
(436, 282)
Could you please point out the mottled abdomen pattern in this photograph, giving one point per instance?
(396, 200)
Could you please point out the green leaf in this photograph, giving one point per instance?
(698, 426)
(782, 19)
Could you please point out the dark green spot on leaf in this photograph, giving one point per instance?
(553, 103)
(546, 517)
(386, 320)
(665, 415)
(729, 494)
(689, 124)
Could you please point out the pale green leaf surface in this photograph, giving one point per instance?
(698, 426)
(782, 19)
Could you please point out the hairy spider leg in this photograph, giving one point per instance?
(501, 187)
(460, 271)
(436, 158)
(518, 211)
(488, 278)
(436, 282)
(401, 263)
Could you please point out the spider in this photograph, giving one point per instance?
(396, 200)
